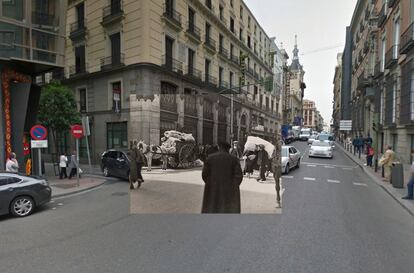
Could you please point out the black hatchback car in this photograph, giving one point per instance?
(115, 163)
(20, 194)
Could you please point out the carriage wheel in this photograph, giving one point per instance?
(173, 162)
(186, 155)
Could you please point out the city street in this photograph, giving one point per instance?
(334, 219)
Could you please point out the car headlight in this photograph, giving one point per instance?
(44, 182)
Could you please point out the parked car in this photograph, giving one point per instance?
(311, 139)
(115, 163)
(290, 158)
(20, 195)
(321, 149)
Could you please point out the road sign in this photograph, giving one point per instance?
(37, 144)
(77, 131)
(38, 132)
(345, 125)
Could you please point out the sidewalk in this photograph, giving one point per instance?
(66, 187)
(395, 193)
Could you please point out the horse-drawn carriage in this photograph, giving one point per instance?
(185, 155)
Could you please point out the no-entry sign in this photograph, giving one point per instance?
(38, 132)
(77, 131)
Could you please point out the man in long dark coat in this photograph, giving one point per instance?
(223, 175)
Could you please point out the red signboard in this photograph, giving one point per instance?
(38, 132)
(77, 131)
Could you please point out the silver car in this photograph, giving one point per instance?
(290, 158)
(321, 149)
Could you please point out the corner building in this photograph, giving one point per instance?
(139, 68)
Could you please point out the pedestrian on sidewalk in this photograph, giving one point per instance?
(250, 159)
(410, 185)
(262, 162)
(148, 155)
(63, 163)
(368, 140)
(360, 143)
(12, 166)
(222, 175)
(276, 166)
(234, 151)
(73, 165)
(133, 165)
(140, 163)
(370, 155)
(355, 144)
(386, 161)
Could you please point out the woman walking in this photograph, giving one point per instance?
(63, 163)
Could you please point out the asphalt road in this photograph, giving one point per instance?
(334, 219)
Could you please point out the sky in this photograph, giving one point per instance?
(319, 24)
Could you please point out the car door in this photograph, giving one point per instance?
(296, 155)
(112, 163)
(122, 165)
(292, 161)
(7, 192)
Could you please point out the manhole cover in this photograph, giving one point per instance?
(119, 194)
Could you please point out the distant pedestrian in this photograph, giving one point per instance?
(250, 160)
(262, 162)
(63, 163)
(370, 155)
(360, 143)
(355, 144)
(133, 166)
(150, 150)
(12, 166)
(140, 163)
(410, 185)
(276, 167)
(73, 165)
(234, 151)
(368, 140)
(222, 175)
(386, 161)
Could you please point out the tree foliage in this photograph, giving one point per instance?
(57, 108)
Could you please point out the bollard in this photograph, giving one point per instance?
(397, 175)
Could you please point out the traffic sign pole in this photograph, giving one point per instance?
(77, 160)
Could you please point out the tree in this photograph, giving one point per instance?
(57, 110)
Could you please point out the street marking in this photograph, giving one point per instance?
(60, 204)
(287, 177)
(334, 181)
(360, 184)
(329, 167)
(347, 169)
(53, 208)
(312, 166)
(309, 178)
(321, 164)
(52, 201)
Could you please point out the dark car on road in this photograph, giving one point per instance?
(21, 194)
(115, 163)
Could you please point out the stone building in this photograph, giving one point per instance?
(139, 68)
(337, 82)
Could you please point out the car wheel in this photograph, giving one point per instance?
(22, 206)
(106, 171)
(287, 169)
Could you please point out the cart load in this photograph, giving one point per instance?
(181, 148)
(252, 143)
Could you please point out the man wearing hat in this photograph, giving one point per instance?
(234, 151)
(262, 162)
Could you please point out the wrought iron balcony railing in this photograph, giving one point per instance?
(210, 42)
(172, 15)
(172, 64)
(75, 70)
(407, 40)
(113, 61)
(210, 80)
(391, 57)
(192, 72)
(193, 30)
(112, 12)
(223, 52)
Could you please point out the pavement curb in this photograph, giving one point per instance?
(78, 191)
(375, 179)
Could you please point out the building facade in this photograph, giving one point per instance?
(297, 86)
(139, 68)
(32, 39)
(337, 82)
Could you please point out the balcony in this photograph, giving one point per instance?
(172, 64)
(210, 44)
(382, 17)
(363, 82)
(210, 81)
(172, 17)
(113, 13)
(391, 57)
(193, 73)
(223, 52)
(250, 71)
(378, 71)
(193, 32)
(112, 62)
(234, 59)
(223, 85)
(209, 5)
(76, 70)
(224, 21)
(407, 40)
(391, 3)
(78, 30)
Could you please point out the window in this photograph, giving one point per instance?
(248, 42)
(208, 32)
(241, 13)
(116, 97)
(6, 39)
(231, 3)
(261, 100)
(221, 9)
(241, 34)
(191, 54)
(221, 71)
(80, 12)
(208, 4)
(255, 93)
(249, 22)
(231, 75)
(412, 96)
(117, 135)
(221, 42)
(82, 100)
(382, 106)
(396, 37)
(383, 48)
(191, 19)
(231, 50)
(207, 69)
(412, 149)
(169, 49)
(7, 180)
(80, 63)
(394, 102)
(232, 25)
(16, 9)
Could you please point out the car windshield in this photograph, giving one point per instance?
(325, 137)
(321, 144)
(285, 152)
